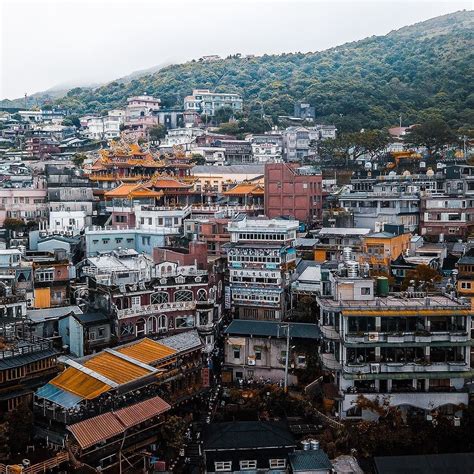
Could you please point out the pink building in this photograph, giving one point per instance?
(27, 204)
(292, 190)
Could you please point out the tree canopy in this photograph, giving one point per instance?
(421, 72)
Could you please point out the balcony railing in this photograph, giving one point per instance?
(329, 332)
(155, 308)
(412, 367)
(392, 338)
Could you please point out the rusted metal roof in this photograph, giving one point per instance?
(96, 429)
(135, 414)
(111, 424)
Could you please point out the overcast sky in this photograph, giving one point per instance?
(45, 43)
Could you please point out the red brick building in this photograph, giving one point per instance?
(292, 190)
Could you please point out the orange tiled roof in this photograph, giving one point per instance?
(244, 189)
(166, 182)
(126, 190)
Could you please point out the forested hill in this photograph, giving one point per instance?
(418, 71)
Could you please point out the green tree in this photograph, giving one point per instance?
(79, 159)
(72, 120)
(423, 276)
(157, 132)
(198, 159)
(434, 134)
(11, 223)
(230, 128)
(223, 114)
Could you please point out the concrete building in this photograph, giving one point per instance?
(256, 350)
(409, 350)
(206, 102)
(293, 191)
(267, 148)
(106, 127)
(260, 259)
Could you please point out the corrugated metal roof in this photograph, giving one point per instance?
(108, 425)
(146, 351)
(114, 368)
(20, 360)
(57, 395)
(79, 383)
(96, 429)
(183, 341)
(135, 414)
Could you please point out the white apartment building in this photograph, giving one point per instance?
(206, 102)
(105, 128)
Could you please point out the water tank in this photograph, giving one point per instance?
(306, 445)
(347, 254)
(382, 286)
(352, 269)
(314, 444)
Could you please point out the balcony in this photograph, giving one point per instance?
(330, 362)
(329, 332)
(423, 400)
(411, 337)
(155, 308)
(401, 367)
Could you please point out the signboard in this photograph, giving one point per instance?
(206, 377)
(227, 298)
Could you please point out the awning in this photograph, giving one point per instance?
(236, 341)
(96, 429)
(140, 412)
(58, 396)
(106, 426)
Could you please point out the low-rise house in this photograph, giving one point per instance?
(206, 102)
(238, 446)
(310, 461)
(256, 350)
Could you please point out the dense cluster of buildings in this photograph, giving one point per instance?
(134, 280)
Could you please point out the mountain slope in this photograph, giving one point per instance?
(417, 71)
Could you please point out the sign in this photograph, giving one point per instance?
(206, 377)
(227, 298)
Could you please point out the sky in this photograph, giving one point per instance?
(49, 43)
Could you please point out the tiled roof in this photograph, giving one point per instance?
(246, 434)
(20, 360)
(106, 426)
(183, 341)
(244, 188)
(127, 190)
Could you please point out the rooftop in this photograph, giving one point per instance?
(343, 231)
(246, 435)
(245, 327)
(232, 169)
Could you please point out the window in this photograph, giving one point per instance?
(202, 295)
(183, 295)
(248, 465)
(466, 285)
(159, 298)
(301, 359)
(258, 353)
(236, 352)
(136, 301)
(222, 466)
(277, 463)
(365, 291)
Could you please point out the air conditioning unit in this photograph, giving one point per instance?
(250, 361)
(375, 368)
(29, 303)
(373, 336)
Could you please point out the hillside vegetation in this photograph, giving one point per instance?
(419, 71)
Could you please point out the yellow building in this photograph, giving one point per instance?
(381, 248)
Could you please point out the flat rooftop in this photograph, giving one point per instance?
(399, 302)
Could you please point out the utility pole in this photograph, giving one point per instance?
(287, 358)
(400, 120)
